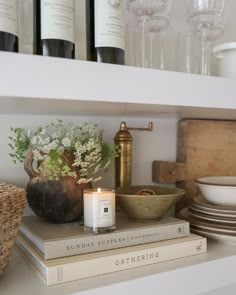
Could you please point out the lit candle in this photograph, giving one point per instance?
(99, 210)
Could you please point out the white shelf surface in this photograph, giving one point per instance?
(188, 276)
(43, 85)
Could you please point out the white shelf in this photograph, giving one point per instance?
(193, 275)
(42, 85)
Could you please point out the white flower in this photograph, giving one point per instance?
(37, 155)
(34, 140)
(46, 140)
(83, 141)
(43, 132)
(82, 180)
(66, 142)
(54, 135)
(50, 147)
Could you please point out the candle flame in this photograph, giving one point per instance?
(99, 190)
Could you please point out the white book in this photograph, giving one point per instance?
(60, 240)
(77, 267)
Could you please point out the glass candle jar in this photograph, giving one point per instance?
(99, 210)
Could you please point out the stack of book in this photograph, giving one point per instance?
(64, 252)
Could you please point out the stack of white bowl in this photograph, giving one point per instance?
(213, 213)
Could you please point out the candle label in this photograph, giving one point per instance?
(105, 213)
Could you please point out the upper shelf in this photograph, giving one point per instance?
(42, 85)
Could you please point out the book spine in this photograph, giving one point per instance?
(125, 261)
(63, 248)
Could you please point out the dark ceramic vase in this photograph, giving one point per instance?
(56, 200)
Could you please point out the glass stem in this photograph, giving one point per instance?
(143, 51)
(205, 69)
(151, 40)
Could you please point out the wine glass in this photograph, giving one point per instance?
(161, 50)
(132, 41)
(207, 17)
(158, 32)
(142, 10)
(188, 52)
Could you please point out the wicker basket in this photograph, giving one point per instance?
(12, 205)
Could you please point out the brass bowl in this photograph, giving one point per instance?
(147, 203)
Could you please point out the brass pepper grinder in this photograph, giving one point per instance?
(123, 163)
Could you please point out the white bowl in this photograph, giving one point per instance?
(218, 190)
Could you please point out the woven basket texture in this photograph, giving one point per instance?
(12, 205)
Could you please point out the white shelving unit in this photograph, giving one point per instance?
(39, 85)
(49, 86)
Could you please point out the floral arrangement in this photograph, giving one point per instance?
(57, 142)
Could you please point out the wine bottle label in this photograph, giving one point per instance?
(9, 16)
(110, 23)
(57, 19)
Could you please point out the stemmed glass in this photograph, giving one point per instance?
(188, 52)
(142, 10)
(207, 17)
(132, 41)
(158, 33)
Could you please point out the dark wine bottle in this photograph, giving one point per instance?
(54, 28)
(9, 25)
(106, 34)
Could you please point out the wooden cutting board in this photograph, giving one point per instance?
(204, 148)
